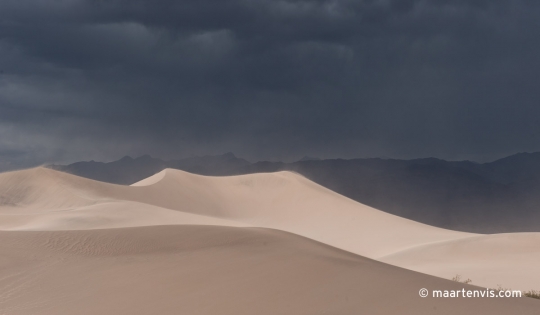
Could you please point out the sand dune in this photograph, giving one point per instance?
(282, 200)
(212, 270)
(507, 260)
(45, 213)
(43, 199)
(106, 215)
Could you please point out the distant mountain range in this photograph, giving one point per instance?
(127, 170)
(500, 196)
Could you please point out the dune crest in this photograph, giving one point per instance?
(282, 200)
(47, 200)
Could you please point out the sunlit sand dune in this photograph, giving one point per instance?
(499, 260)
(43, 199)
(202, 232)
(283, 200)
(212, 270)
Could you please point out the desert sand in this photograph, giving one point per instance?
(498, 260)
(277, 243)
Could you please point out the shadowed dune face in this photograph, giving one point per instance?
(47, 200)
(212, 270)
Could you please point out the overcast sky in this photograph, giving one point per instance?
(268, 79)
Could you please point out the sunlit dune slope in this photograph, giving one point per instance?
(289, 202)
(212, 270)
(282, 200)
(46, 200)
(507, 260)
(43, 199)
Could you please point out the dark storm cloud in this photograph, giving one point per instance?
(268, 79)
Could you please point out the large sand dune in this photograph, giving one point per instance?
(86, 240)
(498, 260)
(213, 270)
(282, 200)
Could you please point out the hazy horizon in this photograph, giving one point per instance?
(293, 159)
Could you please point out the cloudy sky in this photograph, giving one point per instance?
(268, 79)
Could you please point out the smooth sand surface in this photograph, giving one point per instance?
(500, 260)
(81, 215)
(283, 200)
(213, 270)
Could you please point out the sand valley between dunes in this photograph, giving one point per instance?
(272, 243)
